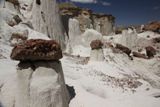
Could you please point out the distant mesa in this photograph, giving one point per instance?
(153, 26)
(37, 49)
(103, 23)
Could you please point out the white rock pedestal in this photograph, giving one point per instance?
(41, 84)
(97, 55)
(96, 51)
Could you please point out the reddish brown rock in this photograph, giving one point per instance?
(96, 44)
(37, 49)
(156, 40)
(153, 26)
(139, 55)
(123, 49)
(150, 51)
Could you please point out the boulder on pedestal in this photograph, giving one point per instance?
(40, 79)
(37, 49)
(97, 51)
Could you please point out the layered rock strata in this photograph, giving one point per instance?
(102, 23)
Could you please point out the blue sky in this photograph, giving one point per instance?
(127, 12)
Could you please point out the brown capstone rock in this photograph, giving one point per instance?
(123, 49)
(150, 51)
(96, 44)
(37, 49)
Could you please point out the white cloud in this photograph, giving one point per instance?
(106, 3)
(85, 1)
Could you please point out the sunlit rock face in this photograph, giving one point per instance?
(39, 80)
(89, 35)
(104, 23)
(96, 51)
(41, 84)
(74, 30)
(84, 20)
(46, 19)
(129, 38)
(89, 20)
(82, 15)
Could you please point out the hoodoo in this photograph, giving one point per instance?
(39, 74)
(96, 51)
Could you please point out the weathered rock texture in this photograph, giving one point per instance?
(46, 19)
(129, 38)
(103, 23)
(37, 49)
(74, 31)
(87, 19)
